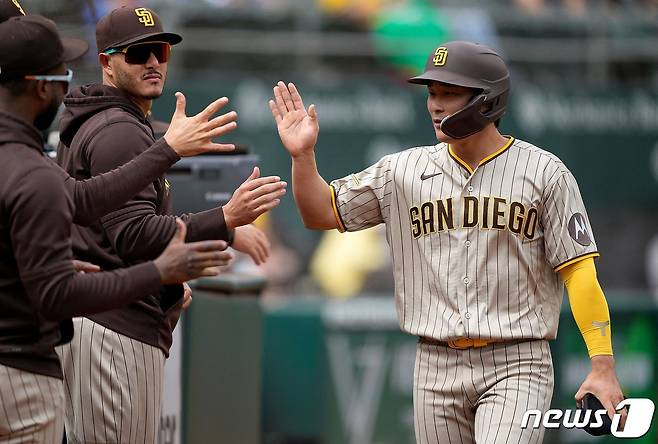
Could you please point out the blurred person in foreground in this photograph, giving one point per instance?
(39, 288)
(485, 231)
(103, 126)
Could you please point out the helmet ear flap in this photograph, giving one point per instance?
(467, 121)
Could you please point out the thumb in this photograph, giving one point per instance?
(181, 232)
(255, 174)
(313, 114)
(180, 105)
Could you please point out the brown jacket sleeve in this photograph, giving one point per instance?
(137, 230)
(95, 197)
(40, 229)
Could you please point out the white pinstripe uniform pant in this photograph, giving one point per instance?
(31, 407)
(479, 395)
(113, 386)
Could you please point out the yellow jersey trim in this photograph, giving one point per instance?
(497, 153)
(576, 259)
(339, 220)
(483, 161)
(459, 160)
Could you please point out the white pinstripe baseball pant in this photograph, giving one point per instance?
(113, 386)
(479, 395)
(31, 407)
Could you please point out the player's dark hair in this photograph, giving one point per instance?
(497, 122)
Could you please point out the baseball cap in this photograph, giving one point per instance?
(10, 8)
(30, 44)
(127, 25)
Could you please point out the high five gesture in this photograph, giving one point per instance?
(298, 127)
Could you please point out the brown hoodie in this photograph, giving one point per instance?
(39, 290)
(101, 128)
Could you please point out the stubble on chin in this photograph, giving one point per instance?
(153, 95)
(131, 85)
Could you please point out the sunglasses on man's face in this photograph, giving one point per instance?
(62, 78)
(140, 53)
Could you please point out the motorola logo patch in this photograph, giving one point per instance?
(578, 229)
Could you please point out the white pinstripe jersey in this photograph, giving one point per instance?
(475, 253)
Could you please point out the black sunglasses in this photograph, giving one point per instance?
(139, 53)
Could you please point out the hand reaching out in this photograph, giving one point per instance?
(254, 197)
(252, 241)
(298, 128)
(193, 135)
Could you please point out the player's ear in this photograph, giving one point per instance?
(105, 61)
(41, 89)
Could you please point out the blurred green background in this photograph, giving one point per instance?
(584, 86)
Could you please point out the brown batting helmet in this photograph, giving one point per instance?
(475, 66)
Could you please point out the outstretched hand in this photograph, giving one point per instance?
(189, 136)
(298, 127)
(181, 261)
(252, 241)
(254, 197)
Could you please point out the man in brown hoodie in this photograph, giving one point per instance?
(103, 126)
(39, 289)
(185, 137)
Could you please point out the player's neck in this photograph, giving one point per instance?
(143, 104)
(479, 146)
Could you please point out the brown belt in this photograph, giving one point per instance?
(458, 344)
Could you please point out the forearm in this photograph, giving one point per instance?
(136, 233)
(312, 194)
(589, 307)
(39, 229)
(206, 225)
(63, 294)
(105, 192)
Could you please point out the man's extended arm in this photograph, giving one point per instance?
(298, 129)
(186, 136)
(590, 310)
(101, 194)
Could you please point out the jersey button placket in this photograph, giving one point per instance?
(466, 280)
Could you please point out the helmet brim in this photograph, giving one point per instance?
(445, 77)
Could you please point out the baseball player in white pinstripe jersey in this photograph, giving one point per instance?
(485, 231)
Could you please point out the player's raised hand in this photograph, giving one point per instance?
(181, 261)
(254, 197)
(189, 136)
(298, 127)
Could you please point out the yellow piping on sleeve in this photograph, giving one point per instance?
(339, 221)
(576, 260)
(588, 305)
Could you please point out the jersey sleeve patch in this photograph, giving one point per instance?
(578, 229)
